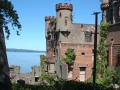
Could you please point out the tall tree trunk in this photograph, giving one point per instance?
(5, 83)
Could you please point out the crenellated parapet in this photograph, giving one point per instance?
(49, 18)
(104, 6)
(66, 6)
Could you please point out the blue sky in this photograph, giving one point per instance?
(32, 13)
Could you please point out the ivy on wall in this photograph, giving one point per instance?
(119, 52)
(70, 56)
(42, 63)
(102, 50)
(102, 72)
(102, 55)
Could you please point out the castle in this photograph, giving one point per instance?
(61, 33)
(111, 12)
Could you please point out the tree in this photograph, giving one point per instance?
(7, 15)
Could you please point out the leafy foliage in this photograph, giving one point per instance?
(102, 51)
(42, 63)
(119, 51)
(117, 76)
(105, 75)
(54, 20)
(9, 15)
(49, 78)
(70, 56)
(63, 85)
(108, 77)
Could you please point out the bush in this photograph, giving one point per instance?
(70, 56)
(62, 85)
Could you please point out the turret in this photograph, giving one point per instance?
(105, 11)
(64, 17)
(47, 22)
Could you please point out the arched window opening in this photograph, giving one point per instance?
(60, 15)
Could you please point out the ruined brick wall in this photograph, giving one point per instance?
(113, 43)
(80, 60)
(114, 32)
(50, 44)
(115, 55)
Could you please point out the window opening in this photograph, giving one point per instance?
(66, 22)
(60, 15)
(82, 53)
(88, 36)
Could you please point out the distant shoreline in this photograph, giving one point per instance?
(24, 50)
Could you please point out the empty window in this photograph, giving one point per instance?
(82, 74)
(36, 79)
(82, 53)
(60, 15)
(48, 43)
(60, 71)
(70, 73)
(49, 66)
(112, 39)
(81, 25)
(88, 36)
(92, 54)
(49, 37)
(66, 22)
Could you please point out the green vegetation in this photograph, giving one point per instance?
(117, 76)
(9, 15)
(119, 52)
(61, 85)
(102, 53)
(42, 63)
(50, 79)
(54, 20)
(104, 74)
(70, 56)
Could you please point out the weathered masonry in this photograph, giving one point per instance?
(111, 12)
(61, 34)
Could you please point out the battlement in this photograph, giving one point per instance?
(66, 6)
(104, 6)
(49, 18)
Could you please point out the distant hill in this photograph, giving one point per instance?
(24, 50)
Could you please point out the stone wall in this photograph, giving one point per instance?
(30, 77)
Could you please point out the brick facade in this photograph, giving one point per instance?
(80, 60)
(111, 12)
(66, 34)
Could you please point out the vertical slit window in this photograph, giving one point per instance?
(66, 22)
(60, 15)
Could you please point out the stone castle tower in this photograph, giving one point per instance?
(111, 12)
(110, 9)
(61, 34)
(63, 17)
